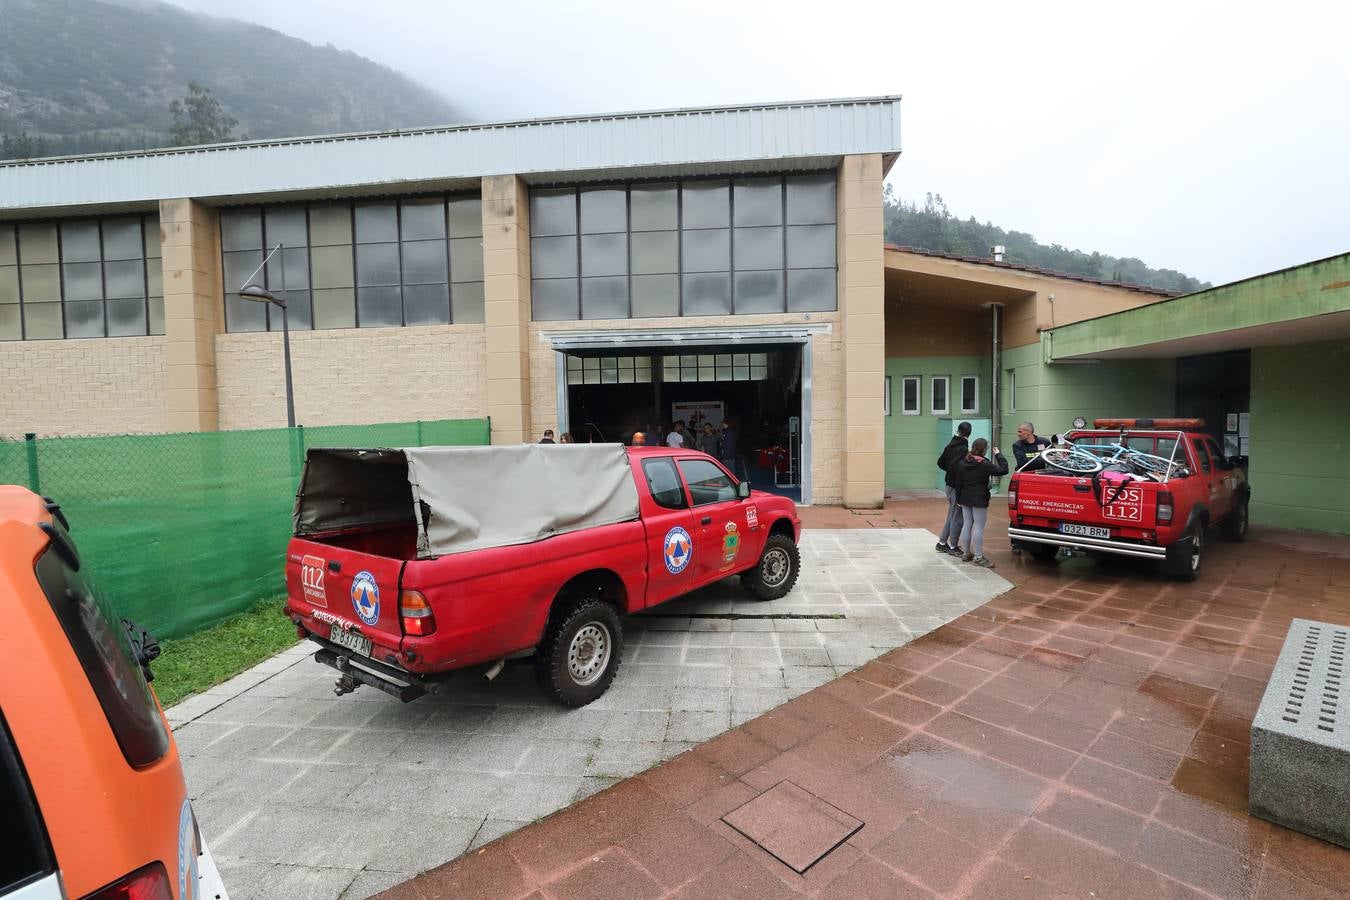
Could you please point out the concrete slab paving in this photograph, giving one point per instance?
(303, 794)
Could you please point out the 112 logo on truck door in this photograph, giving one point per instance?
(311, 580)
(1125, 506)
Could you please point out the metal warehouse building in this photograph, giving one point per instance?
(593, 274)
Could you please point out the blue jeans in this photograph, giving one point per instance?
(951, 529)
(972, 536)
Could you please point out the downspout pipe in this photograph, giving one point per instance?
(996, 365)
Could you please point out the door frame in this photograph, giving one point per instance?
(722, 338)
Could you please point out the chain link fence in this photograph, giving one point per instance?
(183, 530)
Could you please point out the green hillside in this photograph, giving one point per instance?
(89, 75)
(932, 227)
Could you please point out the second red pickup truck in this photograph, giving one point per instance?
(1148, 489)
(409, 564)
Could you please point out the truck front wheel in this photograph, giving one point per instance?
(580, 653)
(776, 572)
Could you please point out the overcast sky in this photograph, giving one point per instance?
(1213, 138)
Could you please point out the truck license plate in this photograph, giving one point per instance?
(350, 639)
(1085, 530)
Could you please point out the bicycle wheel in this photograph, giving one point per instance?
(1153, 465)
(1070, 460)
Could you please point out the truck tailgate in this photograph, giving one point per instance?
(1047, 500)
(345, 595)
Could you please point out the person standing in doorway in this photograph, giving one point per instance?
(729, 456)
(972, 492)
(709, 441)
(676, 437)
(565, 437)
(948, 461)
(548, 436)
(639, 439)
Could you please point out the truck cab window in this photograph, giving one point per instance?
(707, 482)
(1201, 455)
(664, 483)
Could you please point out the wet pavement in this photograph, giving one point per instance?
(1085, 734)
(301, 794)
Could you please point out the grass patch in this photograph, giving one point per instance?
(199, 661)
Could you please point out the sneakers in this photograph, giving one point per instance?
(982, 561)
(968, 557)
(941, 547)
(956, 551)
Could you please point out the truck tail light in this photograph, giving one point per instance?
(418, 618)
(1164, 508)
(1012, 498)
(146, 883)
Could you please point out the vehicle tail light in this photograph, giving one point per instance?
(1012, 498)
(416, 612)
(146, 883)
(1164, 508)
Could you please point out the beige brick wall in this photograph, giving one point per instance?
(95, 386)
(827, 382)
(506, 287)
(353, 376)
(194, 309)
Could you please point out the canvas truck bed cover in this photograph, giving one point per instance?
(467, 498)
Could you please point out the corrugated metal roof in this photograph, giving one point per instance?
(1036, 270)
(719, 139)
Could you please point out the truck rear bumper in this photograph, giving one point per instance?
(1102, 545)
(360, 669)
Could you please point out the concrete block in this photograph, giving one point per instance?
(1300, 750)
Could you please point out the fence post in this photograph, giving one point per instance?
(419, 433)
(489, 429)
(30, 444)
(295, 439)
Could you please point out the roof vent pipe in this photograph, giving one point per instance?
(997, 252)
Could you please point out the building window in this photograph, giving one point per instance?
(970, 394)
(909, 405)
(886, 398)
(417, 261)
(939, 403)
(686, 248)
(715, 367)
(609, 370)
(81, 278)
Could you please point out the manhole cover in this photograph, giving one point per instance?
(794, 825)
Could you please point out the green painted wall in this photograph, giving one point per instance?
(912, 441)
(1051, 396)
(1300, 438)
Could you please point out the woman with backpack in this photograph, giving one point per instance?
(972, 493)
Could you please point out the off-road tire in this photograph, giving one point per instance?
(1185, 558)
(1041, 552)
(561, 673)
(767, 581)
(1235, 526)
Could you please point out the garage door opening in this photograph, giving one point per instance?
(758, 389)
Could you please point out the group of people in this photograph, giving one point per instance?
(719, 443)
(564, 438)
(969, 468)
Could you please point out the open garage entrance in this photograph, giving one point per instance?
(612, 384)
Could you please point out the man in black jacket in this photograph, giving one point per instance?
(1027, 448)
(951, 456)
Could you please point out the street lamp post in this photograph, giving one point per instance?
(251, 291)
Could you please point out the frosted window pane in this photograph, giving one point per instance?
(707, 251)
(332, 266)
(759, 292)
(706, 204)
(466, 259)
(426, 304)
(811, 290)
(296, 273)
(553, 257)
(330, 225)
(759, 248)
(655, 252)
(654, 207)
(810, 200)
(554, 299)
(42, 321)
(466, 303)
(422, 220)
(603, 210)
(122, 239)
(376, 306)
(376, 264)
(8, 253)
(9, 284)
(240, 230)
(424, 262)
(810, 246)
(79, 242)
(604, 254)
(376, 224)
(553, 212)
(84, 319)
(286, 225)
(604, 298)
(759, 201)
(152, 238)
(466, 217)
(335, 308)
(124, 278)
(707, 295)
(156, 305)
(656, 295)
(41, 283)
(84, 281)
(126, 317)
(244, 315)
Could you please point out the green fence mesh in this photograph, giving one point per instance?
(182, 530)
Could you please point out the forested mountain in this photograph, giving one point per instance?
(88, 75)
(932, 227)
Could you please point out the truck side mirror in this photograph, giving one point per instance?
(743, 490)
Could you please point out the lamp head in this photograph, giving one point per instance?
(259, 294)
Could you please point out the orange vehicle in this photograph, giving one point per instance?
(92, 798)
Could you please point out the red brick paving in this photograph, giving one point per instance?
(1085, 732)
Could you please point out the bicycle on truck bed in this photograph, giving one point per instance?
(1088, 459)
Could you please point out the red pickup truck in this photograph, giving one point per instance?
(1149, 489)
(409, 564)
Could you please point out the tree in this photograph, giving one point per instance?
(200, 119)
(21, 146)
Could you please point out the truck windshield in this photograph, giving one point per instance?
(1158, 446)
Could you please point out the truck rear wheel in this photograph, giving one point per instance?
(1235, 526)
(580, 654)
(776, 572)
(1185, 556)
(1043, 552)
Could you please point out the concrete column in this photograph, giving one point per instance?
(506, 286)
(862, 297)
(194, 311)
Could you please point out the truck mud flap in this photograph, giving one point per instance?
(394, 682)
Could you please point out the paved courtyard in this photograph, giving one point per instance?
(301, 794)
